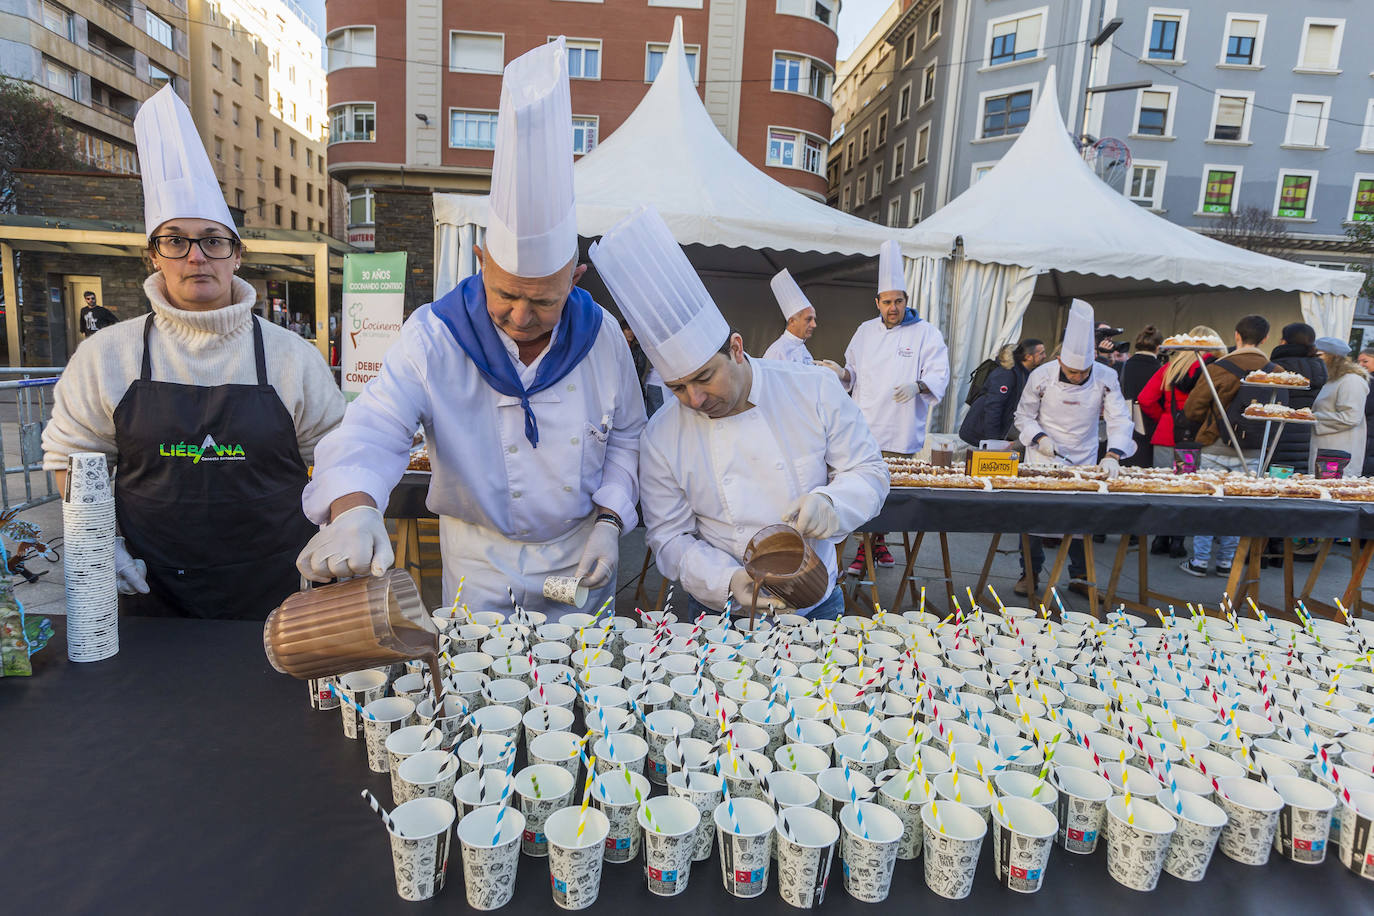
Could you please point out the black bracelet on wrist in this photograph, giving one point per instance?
(608, 517)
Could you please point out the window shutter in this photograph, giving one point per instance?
(1321, 41)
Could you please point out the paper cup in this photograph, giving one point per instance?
(498, 720)
(1024, 785)
(1199, 823)
(806, 841)
(423, 830)
(1304, 821)
(489, 856)
(906, 799)
(742, 840)
(1081, 808)
(1252, 811)
(411, 686)
(771, 720)
(405, 742)
(619, 799)
(481, 788)
(688, 753)
(557, 748)
(363, 687)
(540, 719)
(555, 789)
(669, 826)
(703, 790)
(868, 850)
(321, 697)
(1356, 839)
(1141, 783)
(951, 855)
(838, 790)
(451, 722)
(850, 751)
(380, 719)
(969, 791)
(575, 861)
(1136, 851)
(1023, 833)
(662, 726)
(427, 774)
(742, 771)
(802, 758)
(624, 750)
(789, 790)
(566, 590)
(560, 695)
(485, 751)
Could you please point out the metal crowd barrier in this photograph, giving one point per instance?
(25, 406)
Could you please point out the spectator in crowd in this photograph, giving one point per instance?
(93, 316)
(993, 414)
(1108, 350)
(1136, 372)
(1297, 354)
(1340, 408)
(1366, 361)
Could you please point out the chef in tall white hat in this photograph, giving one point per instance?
(525, 388)
(211, 413)
(746, 443)
(800, 316)
(897, 368)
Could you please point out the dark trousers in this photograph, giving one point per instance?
(1078, 563)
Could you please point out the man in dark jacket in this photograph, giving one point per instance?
(1136, 372)
(1296, 354)
(1366, 359)
(990, 417)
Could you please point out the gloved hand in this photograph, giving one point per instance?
(833, 367)
(354, 544)
(600, 555)
(903, 393)
(130, 574)
(814, 516)
(1045, 446)
(742, 588)
(1112, 466)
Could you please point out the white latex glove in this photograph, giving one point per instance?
(1111, 466)
(814, 516)
(130, 574)
(354, 544)
(600, 555)
(903, 393)
(833, 367)
(742, 588)
(1045, 447)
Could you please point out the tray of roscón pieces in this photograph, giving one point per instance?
(1275, 413)
(1291, 381)
(1192, 342)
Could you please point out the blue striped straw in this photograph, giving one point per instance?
(345, 698)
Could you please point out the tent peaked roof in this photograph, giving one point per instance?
(1042, 207)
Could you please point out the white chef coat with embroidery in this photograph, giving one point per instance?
(707, 486)
(789, 348)
(1069, 413)
(879, 359)
(486, 474)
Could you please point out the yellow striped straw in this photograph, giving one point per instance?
(935, 812)
(1126, 789)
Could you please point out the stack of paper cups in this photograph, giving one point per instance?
(88, 521)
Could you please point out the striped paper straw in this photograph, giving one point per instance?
(1126, 788)
(382, 813)
(348, 700)
(935, 813)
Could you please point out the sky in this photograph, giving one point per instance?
(315, 10)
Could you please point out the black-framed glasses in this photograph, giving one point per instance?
(216, 247)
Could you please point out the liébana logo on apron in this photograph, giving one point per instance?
(209, 450)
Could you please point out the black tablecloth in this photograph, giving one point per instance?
(185, 776)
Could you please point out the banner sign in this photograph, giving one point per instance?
(374, 287)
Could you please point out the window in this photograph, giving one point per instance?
(293, 185)
(219, 148)
(844, 198)
(58, 19)
(655, 53)
(216, 57)
(877, 189)
(894, 211)
(1244, 35)
(235, 70)
(216, 102)
(849, 155)
(351, 123)
(882, 129)
(1367, 136)
(1294, 200)
(158, 29)
(355, 46)
(928, 82)
(787, 73)
(863, 145)
(898, 160)
(276, 176)
(291, 147)
(238, 198)
(1013, 38)
(584, 133)
(158, 76)
(795, 73)
(1154, 117)
(859, 187)
(979, 171)
(1146, 186)
(476, 52)
(1219, 189)
(584, 58)
(472, 129)
(237, 114)
(904, 103)
(260, 165)
(923, 144)
(238, 158)
(1164, 36)
(257, 86)
(257, 128)
(794, 149)
(1006, 115)
(276, 214)
(1307, 119)
(309, 157)
(276, 138)
(1231, 116)
(60, 80)
(360, 207)
(909, 46)
(1321, 44)
(918, 205)
(1362, 200)
(933, 24)
(262, 207)
(823, 11)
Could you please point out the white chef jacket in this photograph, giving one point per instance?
(879, 359)
(790, 348)
(1069, 413)
(708, 486)
(509, 512)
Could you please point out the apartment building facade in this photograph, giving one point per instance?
(414, 88)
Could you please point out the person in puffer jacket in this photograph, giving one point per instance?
(1296, 354)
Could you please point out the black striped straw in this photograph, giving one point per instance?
(382, 813)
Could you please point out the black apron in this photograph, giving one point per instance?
(208, 493)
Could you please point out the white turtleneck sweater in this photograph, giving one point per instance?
(191, 348)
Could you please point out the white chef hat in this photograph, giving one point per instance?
(1080, 340)
(890, 274)
(531, 221)
(178, 180)
(789, 295)
(663, 299)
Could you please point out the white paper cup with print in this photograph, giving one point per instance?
(743, 829)
(806, 841)
(688, 753)
(1028, 786)
(624, 750)
(1023, 833)
(430, 775)
(838, 788)
(575, 859)
(769, 718)
(490, 842)
(1252, 812)
(411, 686)
(619, 798)
(669, 825)
(789, 790)
(481, 788)
(482, 751)
(1355, 843)
(1138, 844)
(742, 771)
(558, 748)
(560, 695)
(860, 753)
(405, 742)
(703, 790)
(542, 789)
(905, 798)
(421, 834)
(450, 722)
(540, 719)
(567, 590)
(662, 726)
(362, 687)
(1304, 821)
(869, 834)
(953, 839)
(1081, 808)
(380, 719)
(802, 758)
(1199, 823)
(498, 720)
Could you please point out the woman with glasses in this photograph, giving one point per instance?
(208, 413)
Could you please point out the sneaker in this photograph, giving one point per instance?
(1224, 572)
(1188, 567)
(882, 556)
(1024, 586)
(858, 567)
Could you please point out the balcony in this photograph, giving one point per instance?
(110, 58)
(111, 112)
(119, 10)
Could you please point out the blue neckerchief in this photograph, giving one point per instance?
(909, 318)
(464, 312)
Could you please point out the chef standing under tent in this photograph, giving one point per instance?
(1058, 418)
(800, 316)
(897, 368)
(209, 413)
(525, 387)
(746, 443)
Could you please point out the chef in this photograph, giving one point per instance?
(210, 413)
(744, 444)
(1058, 417)
(800, 316)
(525, 387)
(897, 367)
